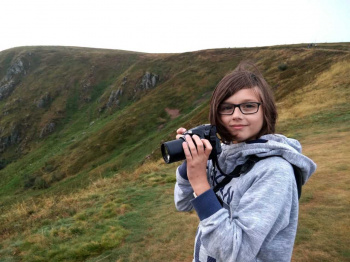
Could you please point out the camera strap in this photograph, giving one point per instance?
(239, 170)
(246, 167)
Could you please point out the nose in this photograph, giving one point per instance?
(236, 113)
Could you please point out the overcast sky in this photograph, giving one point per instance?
(164, 26)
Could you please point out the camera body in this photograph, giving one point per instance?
(172, 151)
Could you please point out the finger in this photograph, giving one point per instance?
(208, 147)
(179, 136)
(181, 130)
(199, 144)
(187, 151)
(191, 145)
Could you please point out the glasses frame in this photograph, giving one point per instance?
(239, 106)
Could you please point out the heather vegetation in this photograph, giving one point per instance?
(81, 175)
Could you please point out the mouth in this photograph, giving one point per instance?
(237, 127)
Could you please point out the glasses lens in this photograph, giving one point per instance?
(249, 108)
(226, 109)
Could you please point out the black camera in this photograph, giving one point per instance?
(172, 151)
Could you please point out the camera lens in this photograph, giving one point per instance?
(172, 151)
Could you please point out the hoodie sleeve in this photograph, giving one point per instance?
(263, 211)
(183, 192)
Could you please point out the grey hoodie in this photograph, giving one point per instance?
(259, 216)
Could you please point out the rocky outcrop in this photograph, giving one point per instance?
(149, 80)
(9, 82)
(6, 88)
(48, 129)
(44, 101)
(114, 98)
(16, 68)
(12, 139)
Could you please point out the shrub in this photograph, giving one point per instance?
(3, 163)
(29, 181)
(40, 183)
(282, 67)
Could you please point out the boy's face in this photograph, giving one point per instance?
(243, 127)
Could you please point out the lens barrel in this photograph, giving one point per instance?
(172, 151)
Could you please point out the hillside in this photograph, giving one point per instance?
(80, 131)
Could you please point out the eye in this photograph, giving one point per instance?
(249, 105)
(226, 107)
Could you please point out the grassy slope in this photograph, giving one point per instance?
(320, 118)
(129, 215)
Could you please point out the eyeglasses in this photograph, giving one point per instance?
(246, 108)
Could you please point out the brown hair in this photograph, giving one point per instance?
(245, 76)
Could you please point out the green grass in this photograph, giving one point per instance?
(92, 222)
(73, 235)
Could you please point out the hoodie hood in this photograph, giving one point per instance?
(268, 145)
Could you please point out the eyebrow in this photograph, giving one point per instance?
(243, 101)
